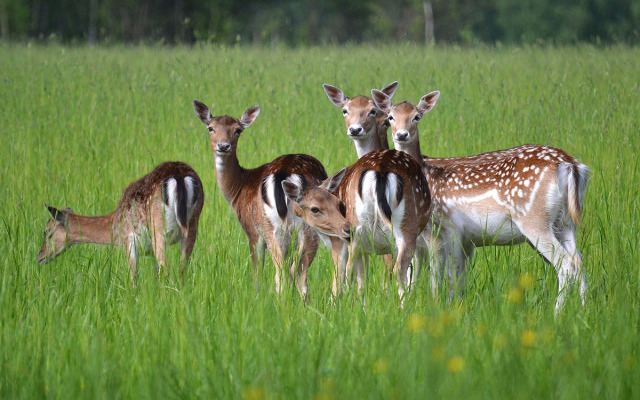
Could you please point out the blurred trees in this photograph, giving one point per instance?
(306, 22)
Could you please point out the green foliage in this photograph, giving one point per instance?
(79, 124)
(320, 22)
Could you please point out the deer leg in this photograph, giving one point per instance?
(339, 254)
(132, 258)
(158, 243)
(257, 250)
(389, 262)
(555, 254)
(277, 256)
(566, 234)
(186, 248)
(437, 263)
(405, 254)
(308, 248)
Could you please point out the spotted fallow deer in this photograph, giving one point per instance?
(366, 124)
(257, 197)
(387, 204)
(160, 209)
(527, 193)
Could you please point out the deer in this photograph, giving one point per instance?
(160, 209)
(387, 203)
(268, 216)
(366, 124)
(529, 193)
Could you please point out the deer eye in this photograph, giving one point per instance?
(315, 210)
(343, 210)
(386, 123)
(344, 111)
(416, 118)
(373, 112)
(210, 129)
(237, 132)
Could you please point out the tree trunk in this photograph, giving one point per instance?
(428, 22)
(93, 21)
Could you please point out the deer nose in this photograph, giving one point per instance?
(347, 234)
(224, 147)
(355, 130)
(402, 135)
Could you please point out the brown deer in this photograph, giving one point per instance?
(159, 209)
(366, 124)
(387, 203)
(257, 197)
(527, 193)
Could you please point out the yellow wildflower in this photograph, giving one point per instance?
(515, 296)
(380, 367)
(455, 364)
(525, 281)
(416, 323)
(253, 393)
(528, 338)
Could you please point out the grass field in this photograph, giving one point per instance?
(77, 125)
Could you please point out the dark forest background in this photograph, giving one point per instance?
(312, 22)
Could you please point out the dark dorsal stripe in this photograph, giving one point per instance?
(381, 185)
(181, 198)
(360, 181)
(278, 192)
(399, 189)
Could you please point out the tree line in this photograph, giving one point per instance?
(313, 22)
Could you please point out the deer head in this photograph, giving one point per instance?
(319, 207)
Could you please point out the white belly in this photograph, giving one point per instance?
(484, 228)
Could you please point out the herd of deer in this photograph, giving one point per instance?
(416, 211)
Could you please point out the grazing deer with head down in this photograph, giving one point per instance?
(366, 124)
(527, 193)
(259, 201)
(387, 203)
(160, 209)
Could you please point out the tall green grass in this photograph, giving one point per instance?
(77, 125)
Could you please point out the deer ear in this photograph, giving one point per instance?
(390, 89)
(292, 190)
(331, 183)
(428, 101)
(202, 111)
(58, 215)
(336, 95)
(249, 116)
(382, 101)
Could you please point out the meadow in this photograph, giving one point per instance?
(78, 124)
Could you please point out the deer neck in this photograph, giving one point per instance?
(381, 132)
(84, 229)
(412, 148)
(371, 143)
(231, 177)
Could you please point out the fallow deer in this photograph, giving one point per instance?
(364, 120)
(160, 209)
(387, 203)
(257, 197)
(367, 126)
(527, 193)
